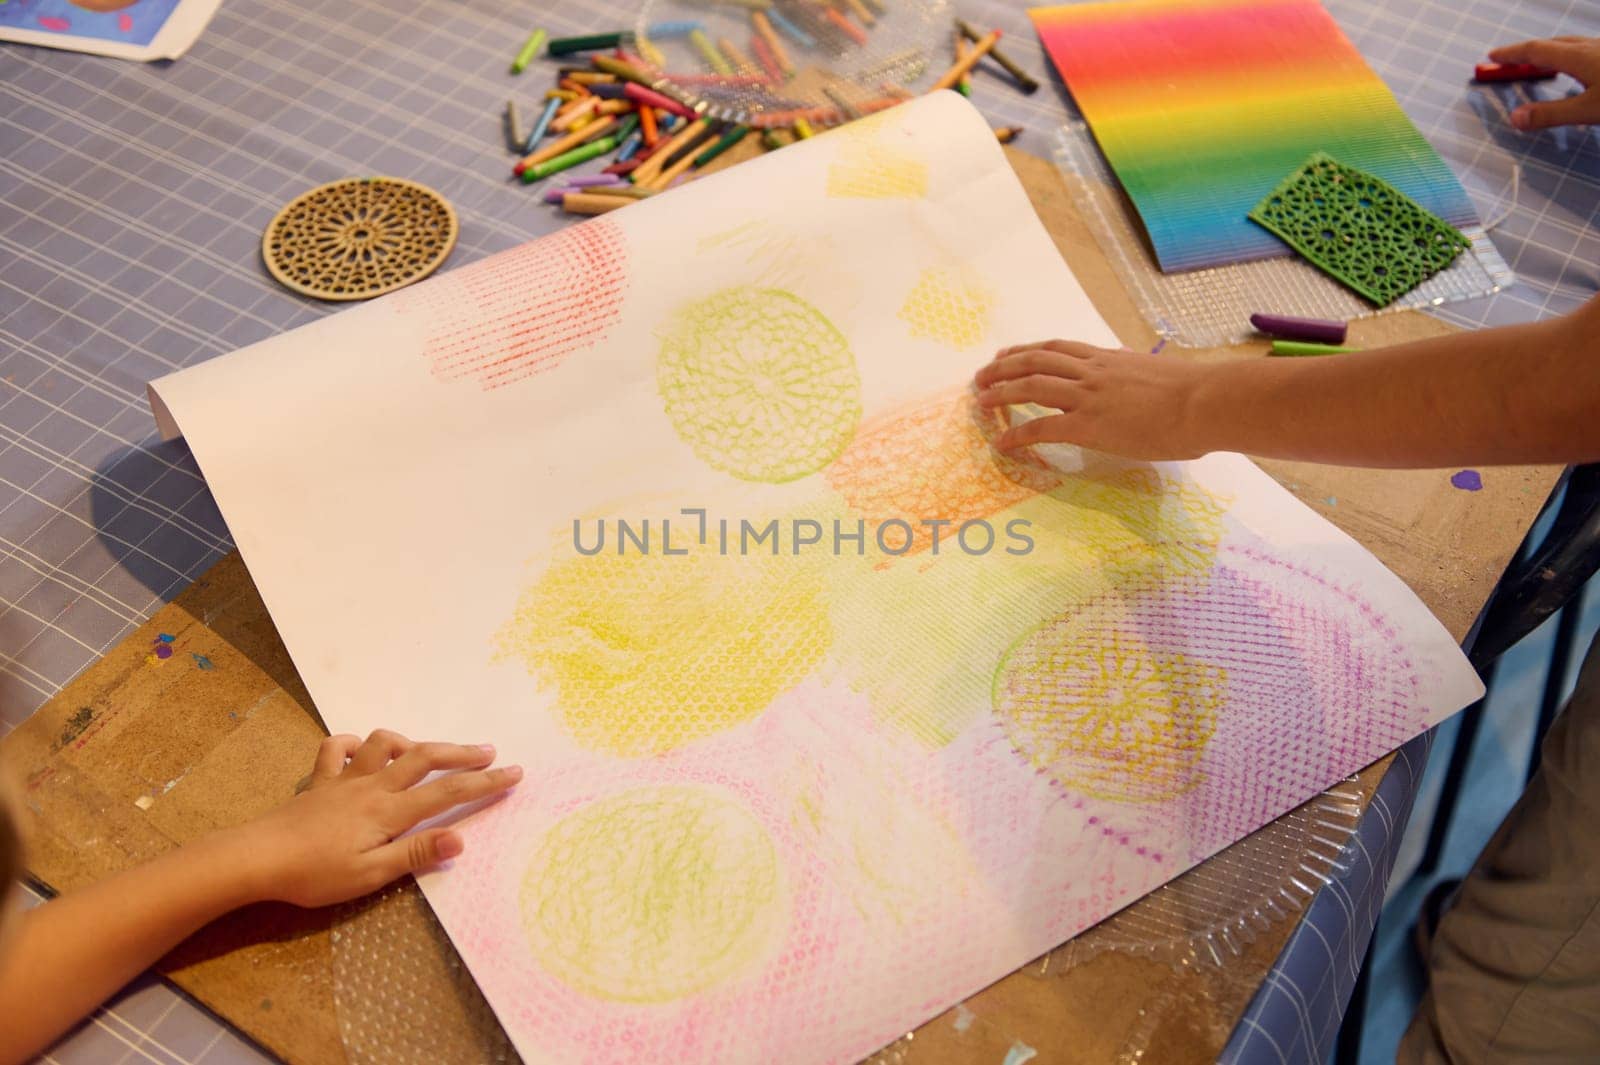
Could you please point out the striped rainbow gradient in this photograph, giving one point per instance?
(1202, 107)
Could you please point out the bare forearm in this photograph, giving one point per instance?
(1522, 394)
(70, 954)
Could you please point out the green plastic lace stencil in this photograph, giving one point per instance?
(1359, 229)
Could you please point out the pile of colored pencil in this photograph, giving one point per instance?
(624, 103)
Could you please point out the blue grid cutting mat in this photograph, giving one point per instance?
(132, 200)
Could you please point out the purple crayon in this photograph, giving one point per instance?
(557, 194)
(1317, 329)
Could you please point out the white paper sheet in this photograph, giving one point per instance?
(787, 807)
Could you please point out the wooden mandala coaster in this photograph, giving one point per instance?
(359, 238)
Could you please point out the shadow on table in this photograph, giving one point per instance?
(155, 518)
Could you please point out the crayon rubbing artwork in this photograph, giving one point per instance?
(772, 255)
(759, 384)
(968, 588)
(948, 306)
(932, 461)
(520, 312)
(873, 170)
(648, 651)
(1106, 713)
(884, 862)
(653, 895)
(1243, 684)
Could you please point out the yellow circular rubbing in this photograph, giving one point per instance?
(359, 238)
(654, 894)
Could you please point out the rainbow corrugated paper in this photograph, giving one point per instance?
(1203, 106)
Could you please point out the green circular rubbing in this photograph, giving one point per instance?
(359, 238)
(759, 384)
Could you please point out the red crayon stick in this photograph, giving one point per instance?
(769, 61)
(848, 28)
(1511, 72)
(650, 98)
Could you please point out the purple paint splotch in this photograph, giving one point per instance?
(1467, 480)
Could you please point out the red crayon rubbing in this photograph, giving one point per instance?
(519, 313)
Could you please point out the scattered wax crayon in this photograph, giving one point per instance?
(980, 48)
(1317, 330)
(1025, 81)
(528, 51)
(769, 62)
(589, 43)
(791, 31)
(845, 26)
(726, 141)
(859, 10)
(1511, 72)
(591, 203)
(581, 154)
(541, 125)
(845, 107)
(1301, 347)
(650, 98)
(769, 35)
(708, 52)
(680, 28)
(513, 126)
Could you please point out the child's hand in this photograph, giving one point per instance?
(337, 839)
(1577, 56)
(1138, 406)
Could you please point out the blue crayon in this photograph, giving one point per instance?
(630, 146)
(674, 29)
(549, 112)
(795, 33)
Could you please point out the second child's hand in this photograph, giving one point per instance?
(1578, 57)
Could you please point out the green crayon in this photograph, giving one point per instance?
(1305, 347)
(593, 42)
(728, 140)
(529, 50)
(566, 160)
